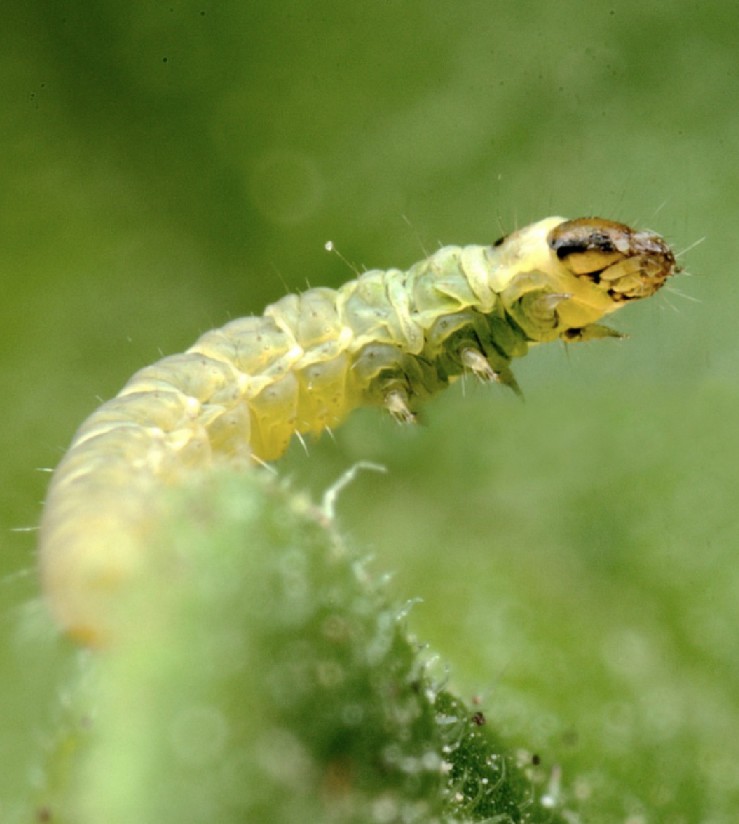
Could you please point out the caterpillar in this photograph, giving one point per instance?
(388, 338)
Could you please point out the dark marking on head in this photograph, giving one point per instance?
(623, 262)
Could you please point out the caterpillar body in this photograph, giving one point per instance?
(389, 338)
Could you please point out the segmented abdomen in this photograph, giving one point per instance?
(241, 392)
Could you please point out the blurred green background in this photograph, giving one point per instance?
(166, 167)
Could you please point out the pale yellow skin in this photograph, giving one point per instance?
(241, 392)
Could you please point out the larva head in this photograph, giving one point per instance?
(624, 263)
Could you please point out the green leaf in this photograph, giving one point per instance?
(262, 675)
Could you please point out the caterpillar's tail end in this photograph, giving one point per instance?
(626, 263)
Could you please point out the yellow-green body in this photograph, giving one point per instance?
(242, 391)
